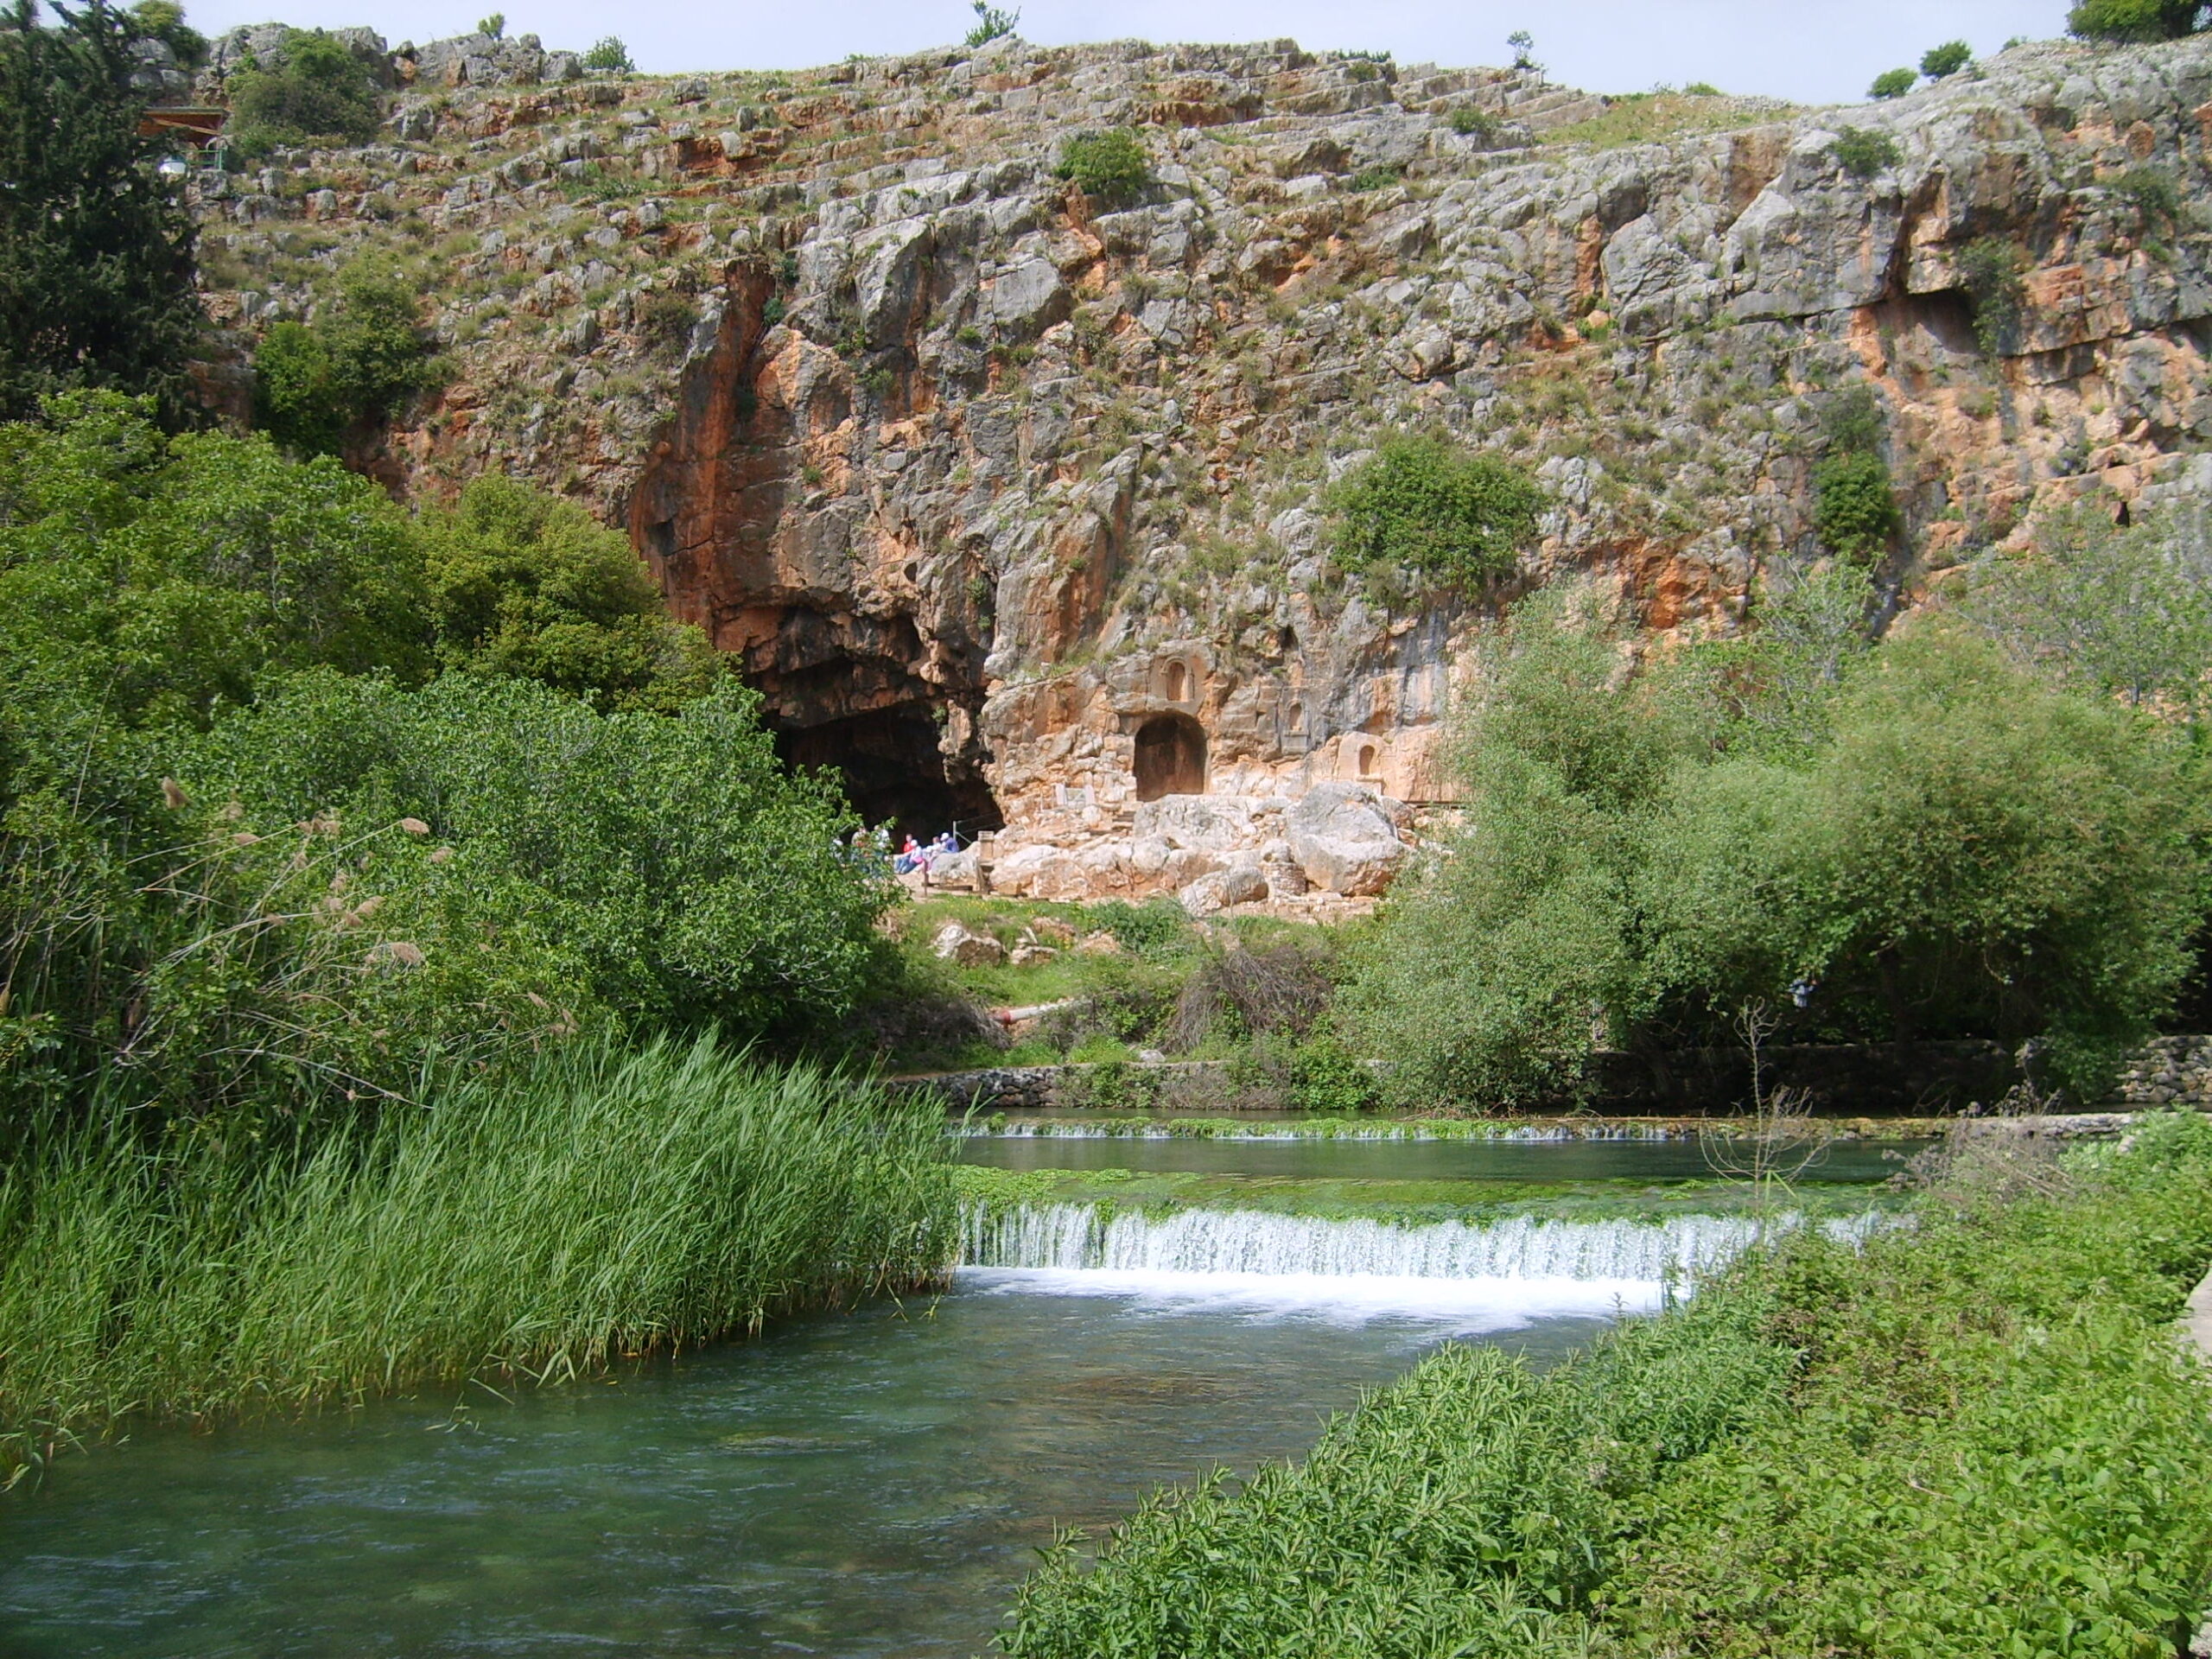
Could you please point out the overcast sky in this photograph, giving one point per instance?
(1813, 51)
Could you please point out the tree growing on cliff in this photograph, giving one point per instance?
(315, 88)
(1854, 505)
(524, 585)
(96, 249)
(316, 383)
(1456, 517)
(2135, 21)
(1892, 83)
(1941, 62)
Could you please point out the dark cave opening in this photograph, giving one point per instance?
(1171, 758)
(894, 771)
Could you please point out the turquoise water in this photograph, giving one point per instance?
(868, 1484)
(1411, 1160)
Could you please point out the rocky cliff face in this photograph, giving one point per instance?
(1008, 499)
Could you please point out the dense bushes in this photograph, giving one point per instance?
(1109, 165)
(315, 383)
(250, 870)
(1854, 504)
(1457, 517)
(525, 585)
(1974, 1436)
(313, 88)
(1946, 845)
(597, 1204)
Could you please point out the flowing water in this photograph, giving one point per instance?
(1258, 1153)
(865, 1483)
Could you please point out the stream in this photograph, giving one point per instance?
(873, 1482)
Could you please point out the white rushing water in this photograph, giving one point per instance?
(1083, 1236)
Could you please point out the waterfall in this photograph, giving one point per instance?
(1083, 1237)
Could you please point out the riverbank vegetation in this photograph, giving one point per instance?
(359, 864)
(1929, 837)
(1973, 1436)
(537, 1222)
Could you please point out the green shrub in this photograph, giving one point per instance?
(159, 578)
(1702, 89)
(315, 90)
(1376, 178)
(317, 385)
(1940, 62)
(992, 23)
(1863, 152)
(1892, 83)
(1328, 1080)
(1425, 503)
(1158, 930)
(609, 56)
(1470, 121)
(2151, 192)
(666, 321)
(1107, 165)
(1992, 269)
(1855, 510)
(527, 586)
(2133, 21)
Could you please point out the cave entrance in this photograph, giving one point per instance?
(1171, 757)
(894, 771)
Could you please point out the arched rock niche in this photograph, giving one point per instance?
(1171, 757)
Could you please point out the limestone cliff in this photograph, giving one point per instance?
(1008, 499)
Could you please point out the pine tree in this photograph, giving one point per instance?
(96, 247)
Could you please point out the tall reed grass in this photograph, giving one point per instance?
(601, 1204)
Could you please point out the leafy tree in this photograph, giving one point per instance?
(2129, 21)
(1943, 61)
(609, 56)
(165, 575)
(1892, 83)
(493, 27)
(2126, 612)
(696, 878)
(1949, 845)
(315, 383)
(992, 23)
(1992, 269)
(1105, 164)
(1423, 503)
(96, 250)
(163, 21)
(314, 89)
(525, 585)
(1855, 509)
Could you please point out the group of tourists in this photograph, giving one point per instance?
(912, 855)
(915, 856)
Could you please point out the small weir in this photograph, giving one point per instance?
(1083, 1238)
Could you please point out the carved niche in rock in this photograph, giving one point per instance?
(1171, 758)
